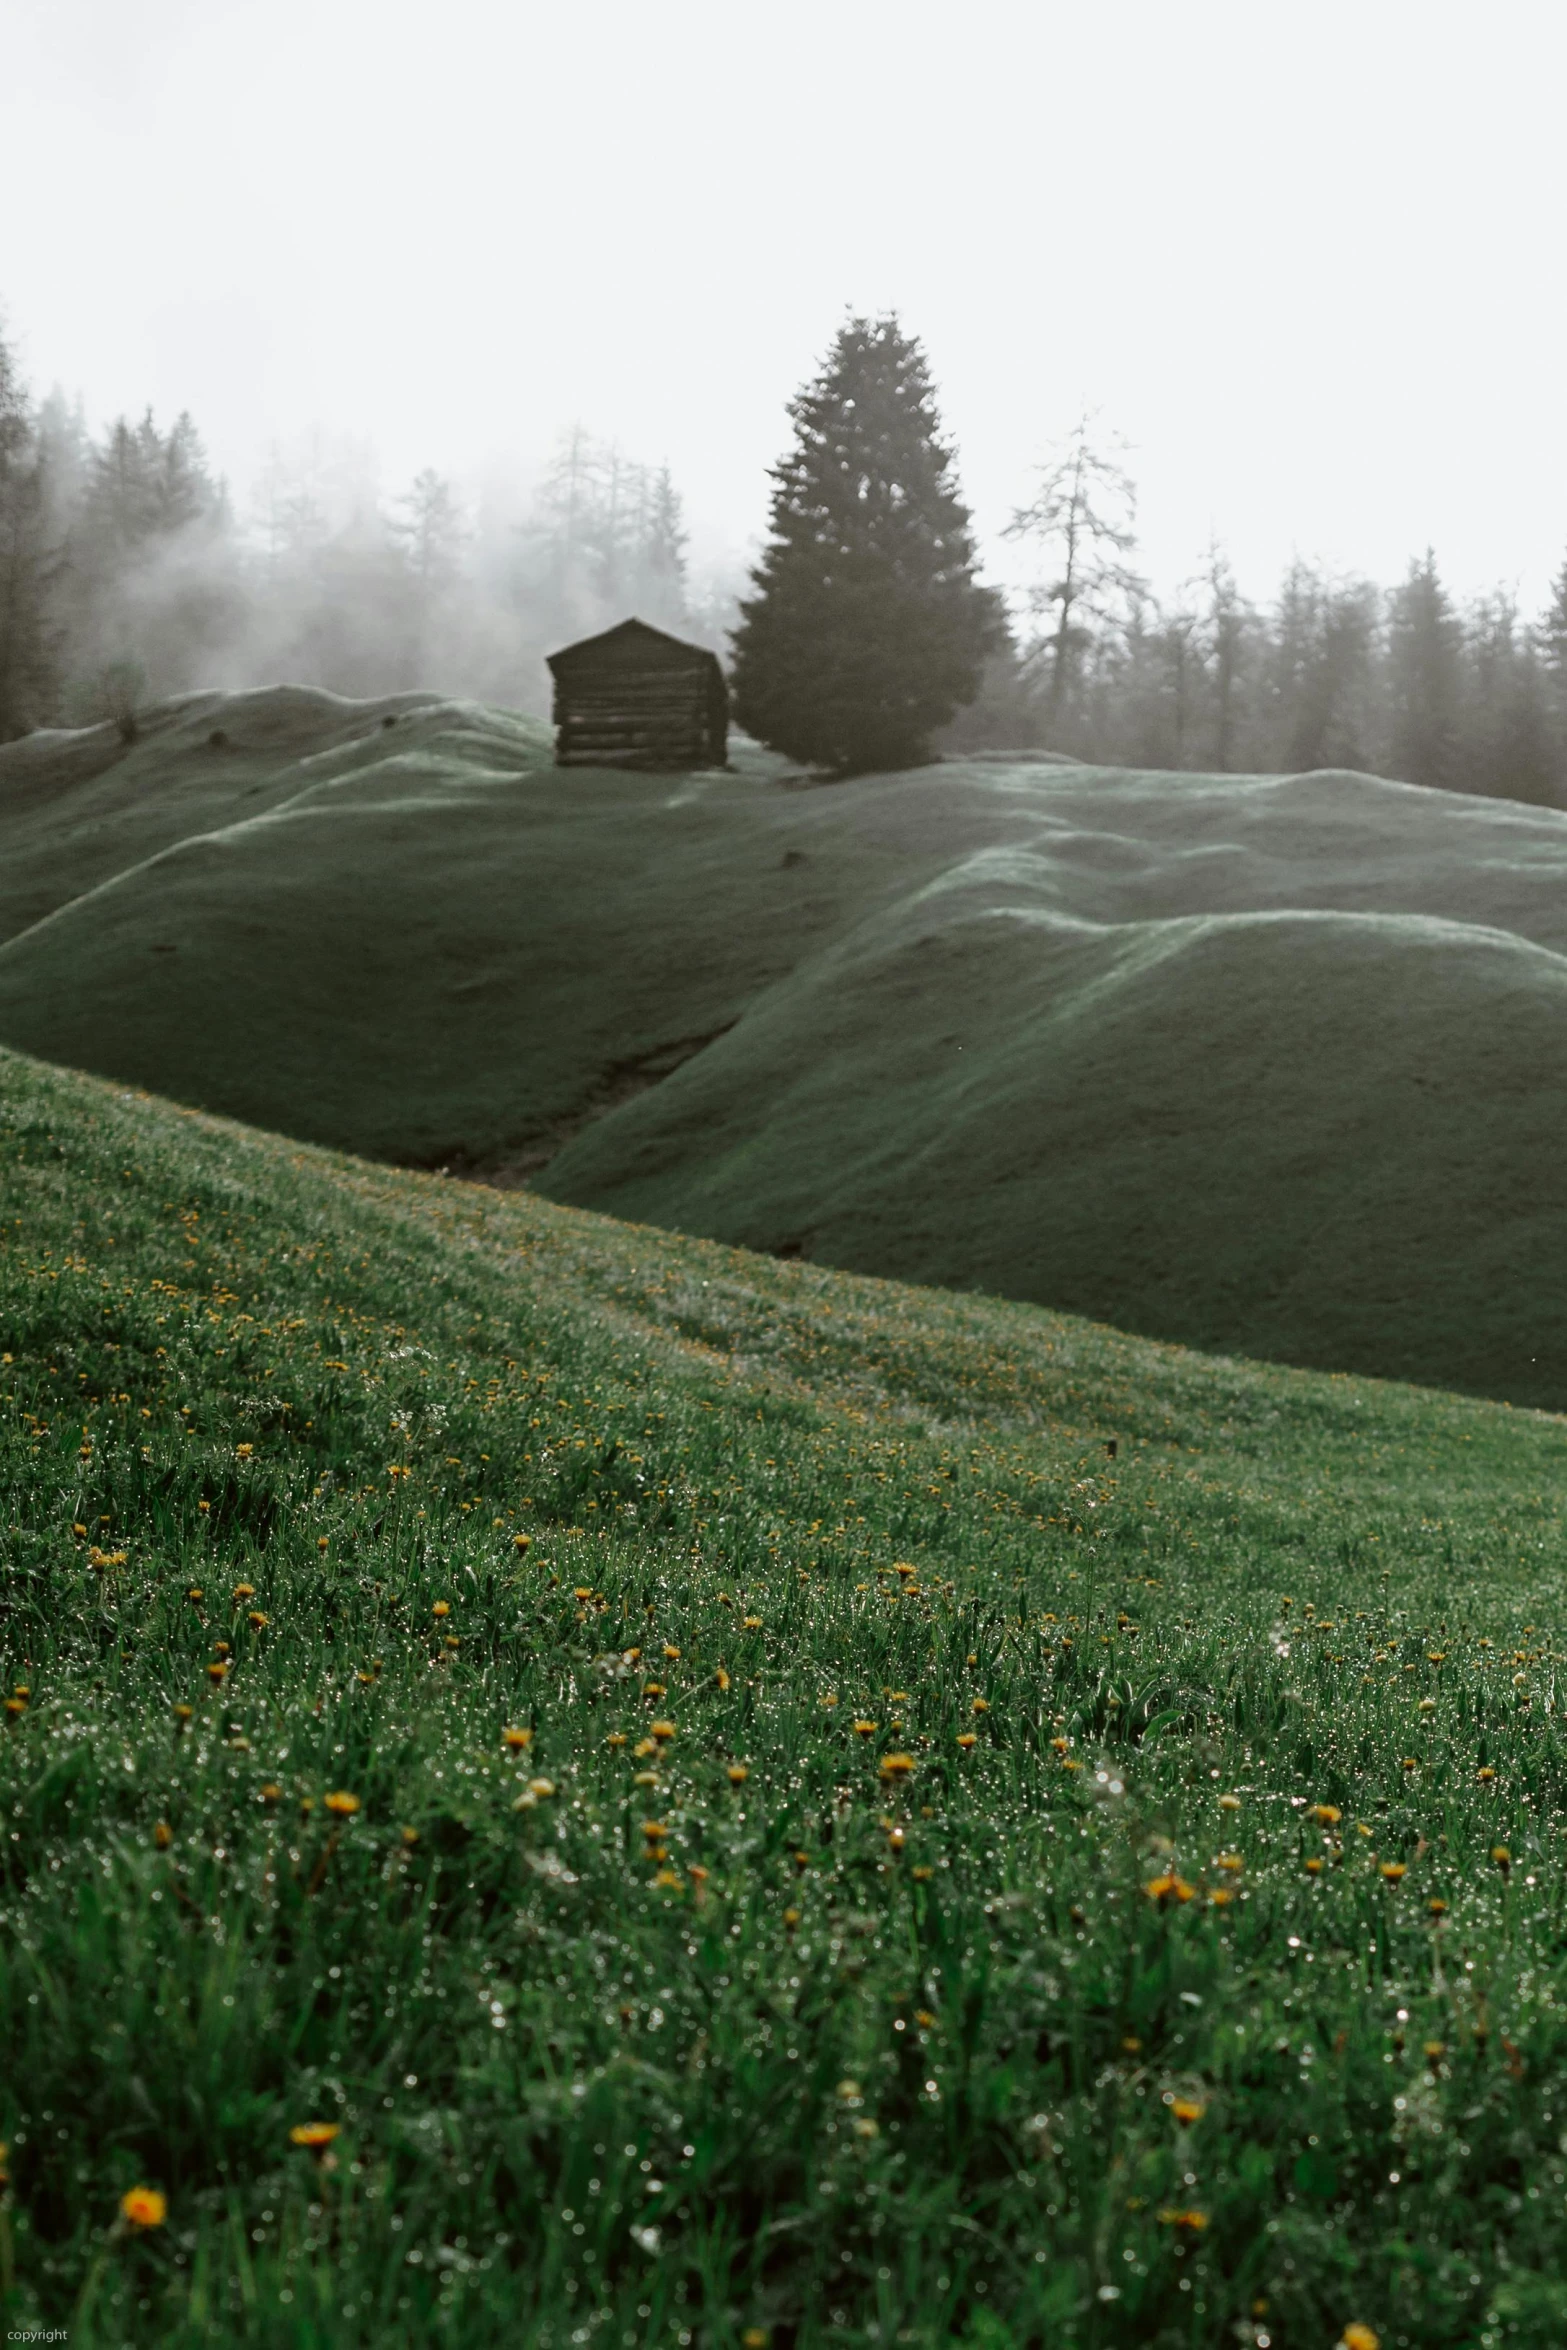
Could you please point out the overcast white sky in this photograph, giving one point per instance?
(1307, 256)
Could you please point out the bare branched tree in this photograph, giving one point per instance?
(1082, 514)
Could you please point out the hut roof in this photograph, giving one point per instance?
(634, 643)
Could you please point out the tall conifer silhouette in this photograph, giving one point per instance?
(868, 628)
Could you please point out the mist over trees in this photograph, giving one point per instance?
(1334, 672)
(126, 575)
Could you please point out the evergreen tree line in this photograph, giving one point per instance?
(1337, 672)
(869, 638)
(127, 576)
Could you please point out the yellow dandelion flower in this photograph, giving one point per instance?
(981, 1705)
(163, 1835)
(442, 1607)
(1394, 1870)
(753, 1623)
(1486, 1772)
(271, 1792)
(669, 1877)
(341, 1802)
(1229, 1803)
(1359, 2337)
(1168, 1888)
(1328, 1813)
(244, 1591)
(1502, 1857)
(520, 1738)
(673, 1654)
(1187, 2109)
(1231, 1861)
(1313, 1868)
(864, 1729)
(616, 1738)
(144, 2207)
(896, 1766)
(791, 1919)
(257, 1621)
(737, 1774)
(314, 2134)
(541, 1788)
(1193, 2221)
(1437, 1906)
(662, 1730)
(966, 1739)
(219, 1671)
(521, 1541)
(244, 1451)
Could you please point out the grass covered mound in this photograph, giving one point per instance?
(564, 1784)
(1268, 1065)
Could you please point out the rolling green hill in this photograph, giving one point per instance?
(1271, 1065)
(567, 1783)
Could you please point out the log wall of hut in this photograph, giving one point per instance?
(635, 697)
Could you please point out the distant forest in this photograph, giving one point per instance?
(1336, 672)
(126, 575)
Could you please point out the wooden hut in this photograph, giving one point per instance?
(635, 697)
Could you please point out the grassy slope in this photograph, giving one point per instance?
(1262, 1064)
(899, 2065)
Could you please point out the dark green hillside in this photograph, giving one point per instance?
(1271, 1065)
(947, 1881)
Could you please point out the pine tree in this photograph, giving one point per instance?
(868, 628)
(26, 648)
(1551, 637)
(1225, 627)
(1424, 681)
(660, 588)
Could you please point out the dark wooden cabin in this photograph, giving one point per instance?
(635, 697)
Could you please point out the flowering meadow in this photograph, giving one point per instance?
(565, 1785)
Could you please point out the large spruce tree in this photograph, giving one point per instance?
(868, 628)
